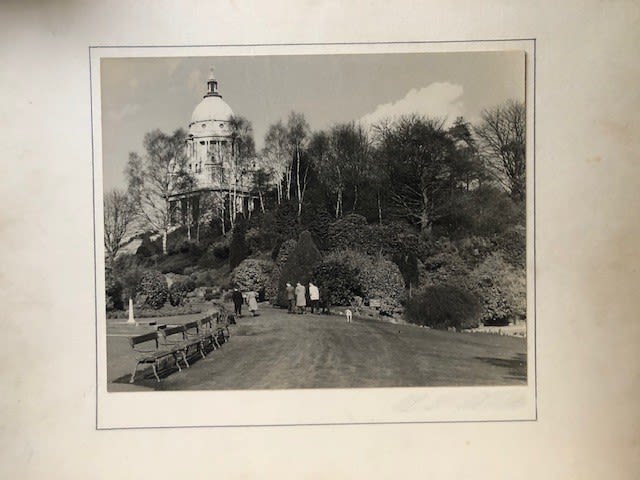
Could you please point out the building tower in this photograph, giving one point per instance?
(211, 159)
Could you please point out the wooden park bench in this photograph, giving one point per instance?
(201, 331)
(179, 342)
(148, 349)
(175, 338)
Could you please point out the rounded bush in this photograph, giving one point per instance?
(339, 281)
(221, 249)
(179, 290)
(377, 277)
(502, 289)
(113, 291)
(442, 307)
(153, 286)
(252, 274)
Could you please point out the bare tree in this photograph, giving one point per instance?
(502, 135)
(297, 136)
(243, 150)
(261, 180)
(156, 177)
(416, 154)
(279, 161)
(119, 214)
(325, 149)
(354, 151)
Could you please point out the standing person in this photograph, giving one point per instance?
(253, 302)
(236, 296)
(301, 297)
(325, 301)
(314, 296)
(291, 297)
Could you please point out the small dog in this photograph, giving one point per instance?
(349, 315)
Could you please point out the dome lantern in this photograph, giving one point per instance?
(212, 85)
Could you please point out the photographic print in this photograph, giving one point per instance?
(328, 220)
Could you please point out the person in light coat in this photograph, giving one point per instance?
(291, 297)
(301, 297)
(253, 302)
(314, 296)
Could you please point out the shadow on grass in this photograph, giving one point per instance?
(516, 366)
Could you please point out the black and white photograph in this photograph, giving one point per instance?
(320, 240)
(315, 221)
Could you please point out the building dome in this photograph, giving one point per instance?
(211, 108)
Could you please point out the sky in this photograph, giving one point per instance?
(141, 94)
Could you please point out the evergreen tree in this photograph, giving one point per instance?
(299, 266)
(238, 249)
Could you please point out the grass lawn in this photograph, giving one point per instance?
(277, 351)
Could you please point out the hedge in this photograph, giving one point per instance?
(444, 306)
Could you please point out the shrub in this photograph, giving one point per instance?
(299, 266)
(252, 274)
(153, 287)
(148, 248)
(179, 290)
(377, 277)
(175, 263)
(474, 250)
(212, 294)
(443, 306)
(513, 245)
(340, 282)
(444, 265)
(220, 249)
(350, 231)
(113, 292)
(281, 256)
(502, 289)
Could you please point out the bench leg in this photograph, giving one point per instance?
(184, 357)
(175, 358)
(133, 375)
(201, 346)
(155, 371)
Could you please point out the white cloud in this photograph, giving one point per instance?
(440, 99)
(125, 111)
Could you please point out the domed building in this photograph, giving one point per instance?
(212, 161)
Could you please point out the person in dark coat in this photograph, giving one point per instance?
(324, 300)
(236, 296)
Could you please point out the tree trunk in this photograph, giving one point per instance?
(298, 182)
(379, 209)
(164, 242)
(289, 180)
(425, 218)
(355, 197)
